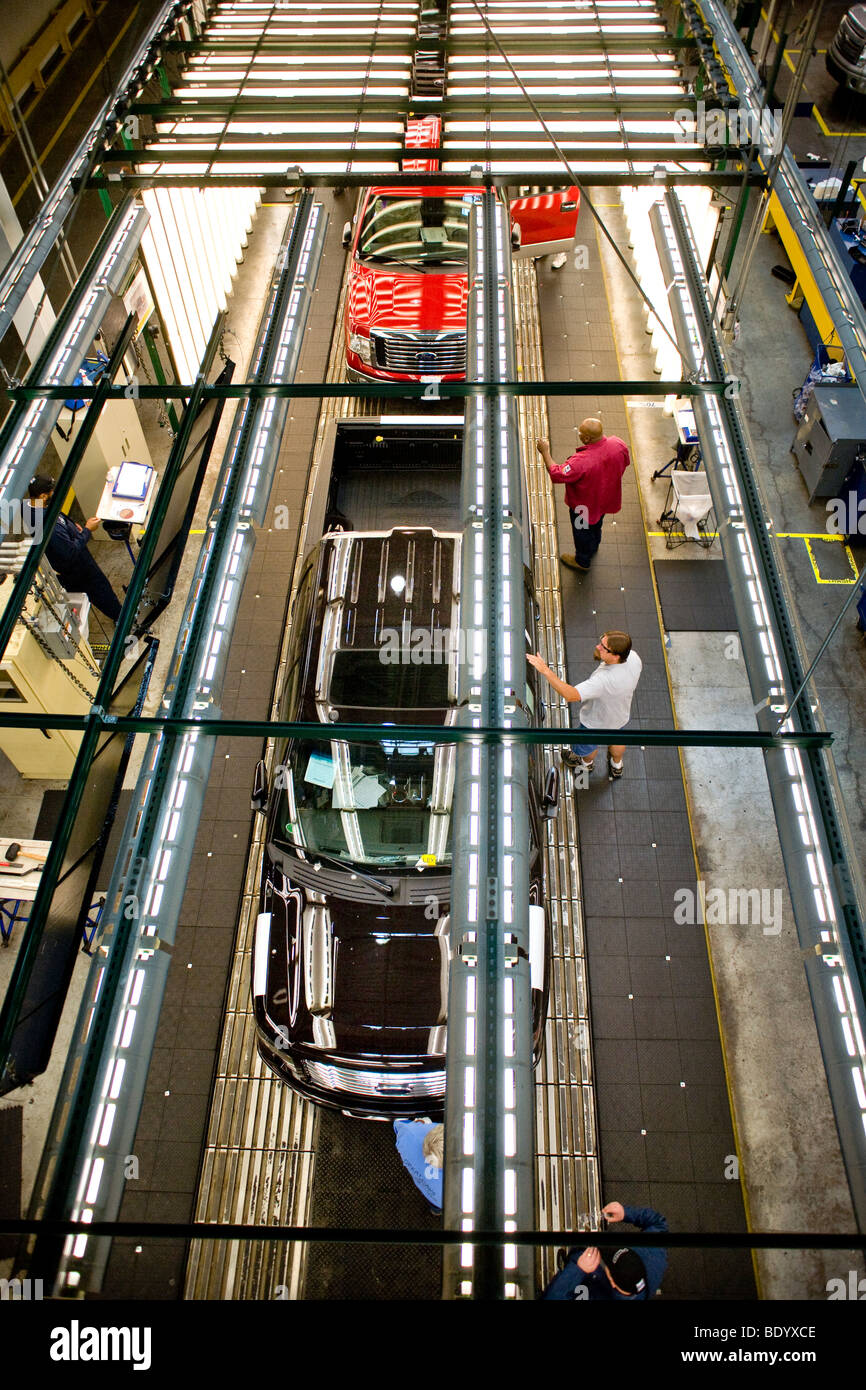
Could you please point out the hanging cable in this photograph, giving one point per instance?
(733, 307)
(240, 91)
(41, 592)
(365, 83)
(577, 183)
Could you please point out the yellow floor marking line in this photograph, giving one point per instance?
(714, 534)
(807, 541)
(834, 134)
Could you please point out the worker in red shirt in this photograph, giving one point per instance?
(593, 486)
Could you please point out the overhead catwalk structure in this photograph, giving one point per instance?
(279, 99)
(28, 426)
(100, 1098)
(489, 1110)
(826, 888)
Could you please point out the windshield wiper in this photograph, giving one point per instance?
(397, 260)
(312, 854)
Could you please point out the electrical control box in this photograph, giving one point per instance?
(34, 680)
(825, 446)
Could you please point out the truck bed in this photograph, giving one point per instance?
(384, 476)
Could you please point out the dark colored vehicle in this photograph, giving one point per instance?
(351, 952)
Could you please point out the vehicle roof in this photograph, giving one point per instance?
(385, 595)
(423, 191)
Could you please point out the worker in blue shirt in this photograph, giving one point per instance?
(421, 1145)
(67, 553)
(622, 1274)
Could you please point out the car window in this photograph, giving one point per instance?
(385, 803)
(420, 231)
(368, 680)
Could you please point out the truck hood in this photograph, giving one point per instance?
(374, 972)
(430, 300)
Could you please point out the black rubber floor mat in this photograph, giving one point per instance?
(10, 1173)
(49, 815)
(360, 1181)
(695, 596)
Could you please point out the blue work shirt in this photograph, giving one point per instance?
(568, 1281)
(68, 545)
(425, 1174)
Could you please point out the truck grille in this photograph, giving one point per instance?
(376, 1083)
(421, 354)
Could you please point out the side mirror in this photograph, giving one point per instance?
(347, 235)
(259, 798)
(516, 236)
(550, 796)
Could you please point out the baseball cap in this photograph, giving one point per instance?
(627, 1270)
(40, 483)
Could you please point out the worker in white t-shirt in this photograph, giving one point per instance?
(605, 698)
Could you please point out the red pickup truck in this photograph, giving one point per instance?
(406, 301)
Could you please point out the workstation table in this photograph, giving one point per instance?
(16, 889)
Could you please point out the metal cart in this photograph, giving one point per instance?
(688, 513)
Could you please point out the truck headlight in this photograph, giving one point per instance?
(360, 346)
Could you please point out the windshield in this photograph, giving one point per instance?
(417, 231)
(385, 803)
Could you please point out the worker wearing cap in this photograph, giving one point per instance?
(620, 1274)
(67, 552)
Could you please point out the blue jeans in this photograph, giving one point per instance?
(583, 750)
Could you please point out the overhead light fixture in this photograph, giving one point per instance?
(28, 427)
(191, 250)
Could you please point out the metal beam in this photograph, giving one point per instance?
(99, 720)
(185, 137)
(831, 276)
(602, 178)
(29, 424)
(426, 733)
(289, 155)
(466, 45)
(634, 106)
(489, 1115)
(402, 1235)
(253, 390)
